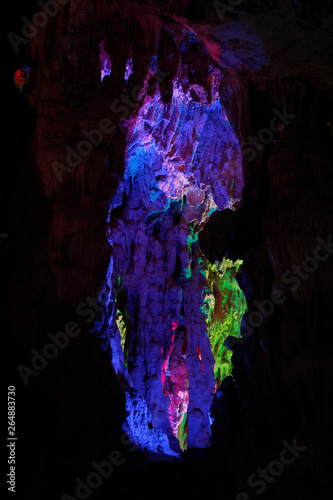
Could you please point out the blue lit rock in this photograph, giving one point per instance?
(138, 426)
(183, 162)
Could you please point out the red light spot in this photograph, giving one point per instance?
(163, 374)
(19, 78)
(166, 361)
(200, 359)
(174, 325)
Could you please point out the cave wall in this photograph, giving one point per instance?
(78, 226)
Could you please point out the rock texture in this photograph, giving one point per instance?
(182, 162)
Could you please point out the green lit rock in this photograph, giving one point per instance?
(224, 306)
(122, 328)
(182, 433)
